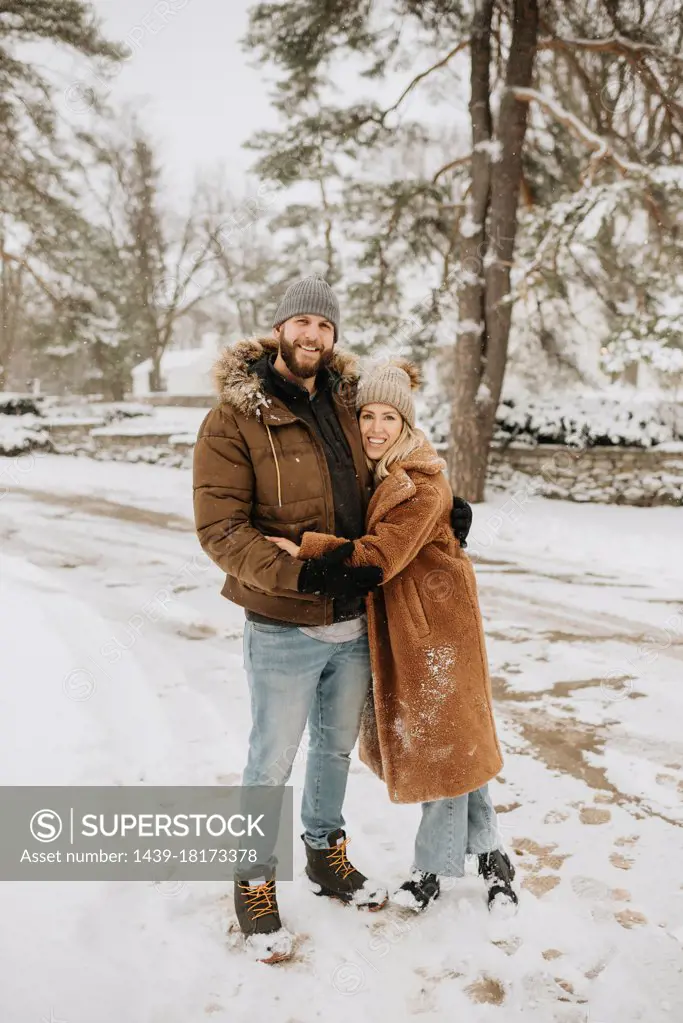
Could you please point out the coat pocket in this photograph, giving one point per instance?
(413, 603)
(290, 530)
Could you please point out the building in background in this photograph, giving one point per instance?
(184, 371)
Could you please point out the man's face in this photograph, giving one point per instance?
(306, 344)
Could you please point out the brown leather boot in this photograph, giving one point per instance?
(259, 918)
(331, 874)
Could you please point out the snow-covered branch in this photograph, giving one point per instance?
(611, 44)
(602, 149)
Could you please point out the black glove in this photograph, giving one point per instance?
(461, 519)
(328, 575)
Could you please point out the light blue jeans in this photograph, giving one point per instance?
(451, 828)
(294, 679)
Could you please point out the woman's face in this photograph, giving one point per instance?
(380, 427)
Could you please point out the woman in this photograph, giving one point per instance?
(428, 730)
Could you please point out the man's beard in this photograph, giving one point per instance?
(301, 366)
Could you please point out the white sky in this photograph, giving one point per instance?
(201, 99)
(197, 94)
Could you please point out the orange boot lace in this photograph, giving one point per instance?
(260, 898)
(338, 860)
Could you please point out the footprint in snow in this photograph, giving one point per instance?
(627, 840)
(486, 990)
(622, 862)
(629, 918)
(594, 815)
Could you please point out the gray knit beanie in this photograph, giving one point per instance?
(390, 383)
(311, 295)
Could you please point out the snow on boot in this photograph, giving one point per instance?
(331, 874)
(259, 918)
(418, 892)
(498, 873)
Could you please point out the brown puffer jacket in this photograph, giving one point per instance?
(259, 470)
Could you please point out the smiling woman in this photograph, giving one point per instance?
(380, 428)
(427, 730)
(386, 414)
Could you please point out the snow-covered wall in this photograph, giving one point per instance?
(603, 475)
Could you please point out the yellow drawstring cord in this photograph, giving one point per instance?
(277, 467)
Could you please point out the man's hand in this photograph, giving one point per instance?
(461, 519)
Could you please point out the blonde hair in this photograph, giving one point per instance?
(408, 440)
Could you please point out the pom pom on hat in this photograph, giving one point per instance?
(411, 369)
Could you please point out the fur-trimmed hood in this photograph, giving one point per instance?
(241, 388)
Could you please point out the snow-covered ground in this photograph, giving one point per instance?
(584, 617)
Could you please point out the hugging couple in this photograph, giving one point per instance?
(338, 532)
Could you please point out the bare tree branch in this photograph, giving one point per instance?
(449, 166)
(424, 74)
(8, 257)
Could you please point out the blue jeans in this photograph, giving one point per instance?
(451, 828)
(293, 679)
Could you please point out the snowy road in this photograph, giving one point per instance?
(123, 665)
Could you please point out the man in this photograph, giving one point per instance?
(281, 454)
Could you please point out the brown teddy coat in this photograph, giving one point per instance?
(428, 729)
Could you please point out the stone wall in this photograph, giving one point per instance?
(167, 447)
(206, 401)
(606, 475)
(72, 433)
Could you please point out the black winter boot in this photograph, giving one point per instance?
(259, 918)
(331, 874)
(498, 873)
(417, 893)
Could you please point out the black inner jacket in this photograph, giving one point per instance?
(319, 413)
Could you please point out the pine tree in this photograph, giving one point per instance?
(40, 219)
(163, 263)
(527, 177)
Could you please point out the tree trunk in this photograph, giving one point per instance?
(246, 330)
(5, 347)
(631, 374)
(155, 381)
(117, 390)
(485, 308)
(465, 457)
(11, 292)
